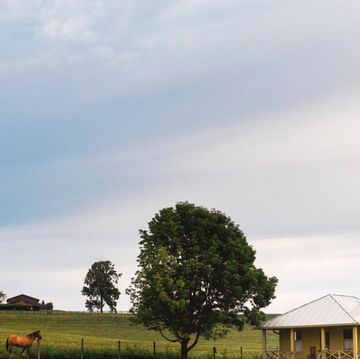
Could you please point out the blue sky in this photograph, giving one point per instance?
(111, 110)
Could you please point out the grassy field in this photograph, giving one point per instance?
(102, 332)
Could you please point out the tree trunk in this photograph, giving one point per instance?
(101, 305)
(184, 348)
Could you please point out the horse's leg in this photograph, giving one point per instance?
(25, 351)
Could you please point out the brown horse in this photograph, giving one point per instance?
(22, 341)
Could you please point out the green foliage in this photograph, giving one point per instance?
(2, 296)
(197, 276)
(49, 306)
(100, 286)
(46, 306)
(22, 307)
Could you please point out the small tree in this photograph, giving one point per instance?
(100, 286)
(196, 276)
(49, 306)
(2, 296)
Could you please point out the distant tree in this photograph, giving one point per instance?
(2, 296)
(42, 306)
(49, 306)
(100, 286)
(196, 276)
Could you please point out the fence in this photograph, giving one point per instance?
(156, 350)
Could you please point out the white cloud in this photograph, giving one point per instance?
(315, 134)
(186, 7)
(76, 28)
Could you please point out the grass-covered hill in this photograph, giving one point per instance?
(103, 331)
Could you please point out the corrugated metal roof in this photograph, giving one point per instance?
(332, 309)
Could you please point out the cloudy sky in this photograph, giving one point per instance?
(111, 110)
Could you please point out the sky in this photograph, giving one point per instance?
(112, 110)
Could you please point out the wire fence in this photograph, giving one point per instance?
(121, 349)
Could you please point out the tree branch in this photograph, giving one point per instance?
(167, 338)
(195, 341)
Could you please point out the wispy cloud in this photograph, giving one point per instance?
(317, 133)
(112, 110)
(69, 30)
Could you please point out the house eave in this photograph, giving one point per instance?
(309, 326)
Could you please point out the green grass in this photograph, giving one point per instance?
(62, 334)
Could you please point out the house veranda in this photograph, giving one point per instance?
(327, 328)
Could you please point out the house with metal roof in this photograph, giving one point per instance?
(326, 328)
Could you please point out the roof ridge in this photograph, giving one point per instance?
(345, 295)
(342, 307)
(301, 306)
(22, 294)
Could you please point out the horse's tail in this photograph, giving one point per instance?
(7, 344)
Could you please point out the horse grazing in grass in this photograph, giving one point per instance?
(24, 342)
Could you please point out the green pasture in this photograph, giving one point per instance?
(101, 332)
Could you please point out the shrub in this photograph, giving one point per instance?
(49, 306)
(22, 307)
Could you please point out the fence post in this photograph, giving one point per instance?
(38, 348)
(82, 349)
(154, 349)
(214, 352)
(119, 350)
(241, 353)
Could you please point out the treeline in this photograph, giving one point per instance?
(27, 307)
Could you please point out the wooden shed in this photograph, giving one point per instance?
(23, 299)
(327, 328)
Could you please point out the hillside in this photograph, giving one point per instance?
(104, 330)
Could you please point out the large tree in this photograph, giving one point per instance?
(196, 276)
(100, 286)
(2, 296)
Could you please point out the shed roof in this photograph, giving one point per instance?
(332, 309)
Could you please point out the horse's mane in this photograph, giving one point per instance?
(33, 334)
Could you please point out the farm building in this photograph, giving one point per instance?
(326, 328)
(23, 299)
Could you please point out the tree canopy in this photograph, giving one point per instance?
(2, 296)
(100, 286)
(196, 276)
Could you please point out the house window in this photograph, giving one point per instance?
(298, 341)
(348, 339)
